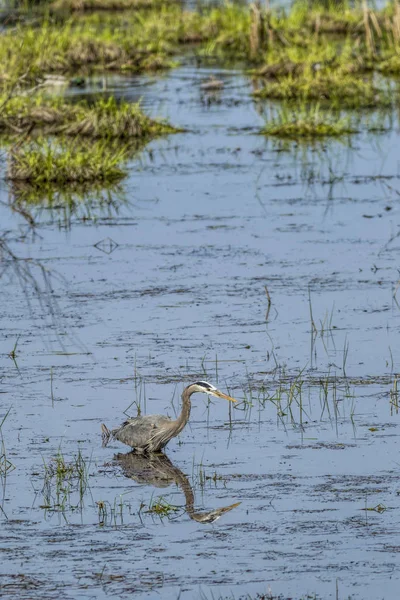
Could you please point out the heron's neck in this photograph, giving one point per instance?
(185, 412)
(183, 482)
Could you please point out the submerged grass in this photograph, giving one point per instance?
(41, 162)
(307, 122)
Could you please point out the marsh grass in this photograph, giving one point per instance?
(66, 48)
(296, 397)
(228, 30)
(334, 89)
(65, 483)
(6, 466)
(285, 42)
(260, 35)
(109, 119)
(109, 5)
(115, 513)
(307, 121)
(336, 41)
(42, 162)
(288, 397)
(327, 16)
(140, 400)
(161, 507)
(119, 130)
(103, 118)
(13, 354)
(130, 41)
(140, 40)
(394, 396)
(253, 33)
(200, 477)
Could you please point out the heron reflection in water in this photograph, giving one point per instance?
(152, 433)
(158, 470)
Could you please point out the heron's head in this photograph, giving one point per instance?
(208, 388)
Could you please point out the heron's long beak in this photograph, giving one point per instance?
(221, 395)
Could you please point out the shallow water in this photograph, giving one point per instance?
(168, 286)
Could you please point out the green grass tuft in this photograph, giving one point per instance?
(42, 162)
(307, 122)
(65, 483)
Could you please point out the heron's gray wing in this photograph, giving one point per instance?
(138, 432)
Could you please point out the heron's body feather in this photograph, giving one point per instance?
(146, 434)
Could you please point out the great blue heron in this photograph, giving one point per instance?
(158, 470)
(153, 432)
